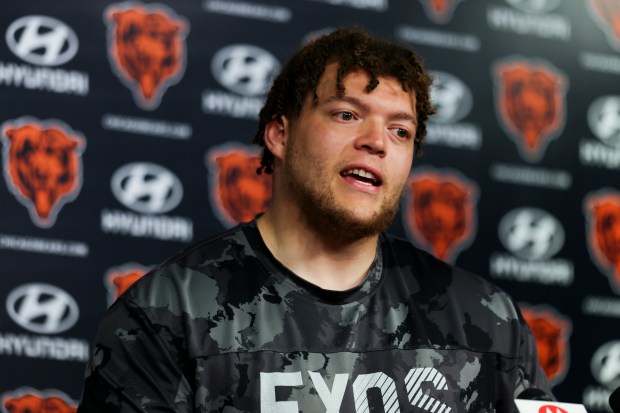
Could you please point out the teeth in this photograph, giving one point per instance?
(362, 173)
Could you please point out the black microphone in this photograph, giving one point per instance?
(534, 393)
(614, 400)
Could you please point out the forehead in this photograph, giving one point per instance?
(355, 83)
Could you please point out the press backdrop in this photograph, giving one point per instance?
(126, 130)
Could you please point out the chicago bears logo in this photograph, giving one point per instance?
(606, 14)
(439, 11)
(238, 193)
(552, 332)
(27, 400)
(530, 101)
(146, 46)
(42, 165)
(440, 213)
(602, 211)
(118, 279)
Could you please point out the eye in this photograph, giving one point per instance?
(402, 133)
(346, 116)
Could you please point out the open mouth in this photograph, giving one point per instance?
(363, 176)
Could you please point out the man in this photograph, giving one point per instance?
(311, 307)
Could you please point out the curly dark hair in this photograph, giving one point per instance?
(353, 49)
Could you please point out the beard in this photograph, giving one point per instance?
(322, 212)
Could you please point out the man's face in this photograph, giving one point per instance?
(346, 160)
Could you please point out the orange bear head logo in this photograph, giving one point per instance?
(551, 332)
(42, 166)
(147, 49)
(440, 212)
(238, 193)
(119, 279)
(439, 11)
(607, 16)
(30, 401)
(603, 216)
(530, 103)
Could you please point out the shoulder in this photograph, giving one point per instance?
(437, 279)
(192, 280)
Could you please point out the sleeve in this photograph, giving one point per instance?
(132, 367)
(530, 374)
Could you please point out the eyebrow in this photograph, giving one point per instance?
(400, 115)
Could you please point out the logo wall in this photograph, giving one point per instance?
(530, 103)
(146, 48)
(26, 399)
(605, 368)
(42, 165)
(440, 11)
(150, 190)
(533, 237)
(247, 71)
(440, 211)
(552, 332)
(602, 212)
(605, 14)
(44, 42)
(237, 192)
(454, 102)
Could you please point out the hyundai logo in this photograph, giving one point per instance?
(245, 69)
(605, 364)
(147, 188)
(604, 119)
(42, 308)
(42, 40)
(451, 96)
(531, 233)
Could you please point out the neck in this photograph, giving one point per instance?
(331, 262)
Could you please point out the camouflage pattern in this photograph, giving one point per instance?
(224, 327)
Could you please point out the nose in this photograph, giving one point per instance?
(371, 138)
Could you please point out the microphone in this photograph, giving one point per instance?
(534, 400)
(534, 393)
(614, 400)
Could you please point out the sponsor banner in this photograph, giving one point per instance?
(531, 176)
(146, 49)
(440, 212)
(44, 245)
(552, 331)
(530, 103)
(440, 12)
(151, 191)
(530, 18)
(42, 165)
(27, 399)
(267, 12)
(45, 310)
(600, 62)
(148, 127)
(374, 5)
(453, 100)
(601, 306)
(237, 193)
(246, 71)
(532, 237)
(435, 38)
(602, 213)
(45, 43)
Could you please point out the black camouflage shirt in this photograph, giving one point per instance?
(224, 327)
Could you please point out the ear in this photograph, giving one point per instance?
(276, 135)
